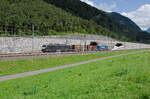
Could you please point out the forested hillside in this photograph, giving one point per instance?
(123, 20)
(19, 15)
(122, 26)
(51, 17)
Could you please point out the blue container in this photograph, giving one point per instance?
(102, 47)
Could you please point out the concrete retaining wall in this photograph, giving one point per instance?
(28, 44)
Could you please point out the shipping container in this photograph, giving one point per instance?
(102, 47)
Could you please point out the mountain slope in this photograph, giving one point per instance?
(148, 30)
(56, 16)
(126, 31)
(124, 20)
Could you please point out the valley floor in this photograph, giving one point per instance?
(123, 77)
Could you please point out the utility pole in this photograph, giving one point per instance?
(85, 49)
(32, 38)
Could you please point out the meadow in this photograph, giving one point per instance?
(19, 66)
(124, 77)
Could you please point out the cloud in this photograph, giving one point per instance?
(88, 2)
(141, 16)
(106, 7)
(101, 6)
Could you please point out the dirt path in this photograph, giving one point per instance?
(25, 74)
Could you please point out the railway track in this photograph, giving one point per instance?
(41, 55)
(14, 56)
(45, 54)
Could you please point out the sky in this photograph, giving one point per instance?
(137, 10)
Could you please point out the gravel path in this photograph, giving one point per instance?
(25, 74)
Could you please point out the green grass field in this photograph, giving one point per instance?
(125, 77)
(19, 66)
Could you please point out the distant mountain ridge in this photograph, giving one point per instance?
(122, 26)
(148, 30)
(124, 20)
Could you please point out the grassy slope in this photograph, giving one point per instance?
(19, 66)
(125, 77)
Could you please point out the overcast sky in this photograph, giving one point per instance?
(136, 10)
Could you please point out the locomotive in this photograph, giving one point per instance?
(56, 47)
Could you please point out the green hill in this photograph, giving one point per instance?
(52, 17)
(18, 16)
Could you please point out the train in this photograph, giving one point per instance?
(56, 48)
(71, 48)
